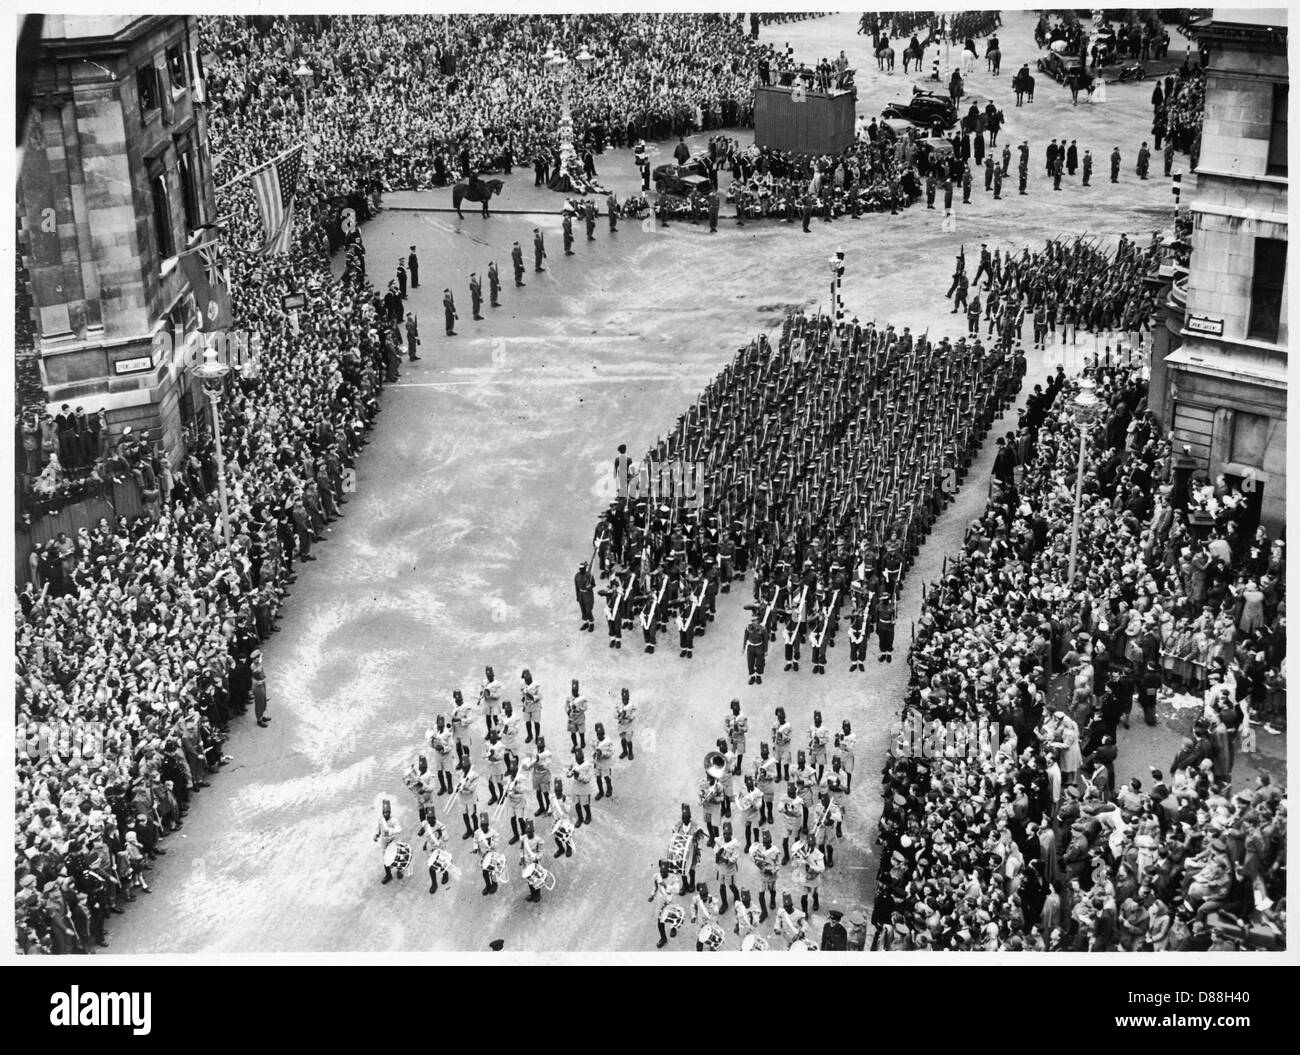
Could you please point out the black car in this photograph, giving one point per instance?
(924, 108)
(696, 174)
(1063, 68)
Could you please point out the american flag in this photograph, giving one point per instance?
(275, 186)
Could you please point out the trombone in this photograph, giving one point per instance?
(455, 794)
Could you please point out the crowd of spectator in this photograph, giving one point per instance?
(1005, 826)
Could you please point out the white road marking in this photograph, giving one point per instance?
(546, 382)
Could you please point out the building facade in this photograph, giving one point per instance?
(115, 182)
(1221, 383)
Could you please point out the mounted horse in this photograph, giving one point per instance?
(885, 57)
(480, 191)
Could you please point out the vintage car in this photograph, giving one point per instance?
(695, 175)
(1062, 68)
(923, 108)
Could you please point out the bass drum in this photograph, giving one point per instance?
(397, 856)
(753, 942)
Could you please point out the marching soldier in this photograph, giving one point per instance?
(737, 727)
(703, 909)
(767, 858)
(818, 743)
(584, 587)
(885, 616)
(490, 693)
(517, 259)
(485, 844)
(790, 635)
(755, 646)
(1114, 165)
(1087, 167)
(727, 858)
(387, 832)
(539, 250)
(686, 630)
(568, 232)
(530, 853)
(530, 695)
(435, 844)
(440, 739)
(467, 793)
(625, 715)
(449, 312)
(603, 753)
(589, 214)
(576, 710)
(792, 814)
(858, 638)
(613, 616)
(727, 780)
(821, 624)
(750, 804)
(847, 742)
(581, 771)
(828, 819)
(476, 295)
(766, 772)
(782, 735)
(508, 727)
(835, 787)
(542, 760)
(495, 757)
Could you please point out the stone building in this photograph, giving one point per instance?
(115, 181)
(1220, 376)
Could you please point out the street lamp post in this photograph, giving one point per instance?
(212, 373)
(306, 77)
(558, 65)
(1085, 403)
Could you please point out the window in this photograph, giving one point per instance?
(162, 218)
(176, 67)
(146, 86)
(1249, 438)
(1277, 134)
(1266, 289)
(190, 195)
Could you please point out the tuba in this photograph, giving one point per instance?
(715, 765)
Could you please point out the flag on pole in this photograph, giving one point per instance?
(275, 185)
(209, 278)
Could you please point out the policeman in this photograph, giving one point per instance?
(539, 250)
(755, 647)
(584, 586)
(476, 295)
(517, 258)
(568, 232)
(449, 312)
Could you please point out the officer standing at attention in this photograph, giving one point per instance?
(539, 250)
(1087, 166)
(1114, 165)
(611, 204)
(449, 311)
(568, 233)
(476, 295)
(755, 650)
(584, 587)
(413, 266)
(517, 258)
(494, 284)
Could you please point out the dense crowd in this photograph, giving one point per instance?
(418, 102)
(1179, 110)
(1005, 826)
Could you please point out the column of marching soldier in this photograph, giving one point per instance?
(812, 802)
(409, 270)
(826, 460)
(519, 768)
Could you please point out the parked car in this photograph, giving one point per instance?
(1061, 67)
(924, 108)
(696, 174)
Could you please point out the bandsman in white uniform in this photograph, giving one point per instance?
(420, 781)
(838, 793)
(767, 858)
(728, 779)
(828, 819)
(563, 827)
(467, 794)
(462, 715)
(495, 760)
(819, 739)
(575, 707)
(530, 853)
(805, 779)
(509, 730)
(810, 874)
(791, 924)
(530, 698)
(747, 916)
(665, 889)
(750, 802)
(440, 739)
(737, 727)
(727, 859)
(387, 832)
(704, 910)
(485, 846)
(791, 818)
(582, 772)
(710, 799)
(603, 757)
(435, 844)
(782, 735)
(516, 803)
(542, 762)
(625, 714)
(489, 693)
(766, 773)
(847, 742)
